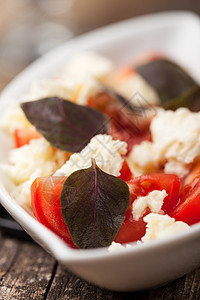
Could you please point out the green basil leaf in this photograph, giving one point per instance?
(171, 82)
(93, 205)
(67, 126)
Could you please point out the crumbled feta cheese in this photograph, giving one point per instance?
(142, 159)
(176, 167)
(161, 226)
(89, 64)
(22, 193)
(55, 87)
(35, 159)
(13, 118)
(153, 201)
(176, 140)
(176, 134)
(88, 89)
(104, 150)
(74, 88)
(115, 247)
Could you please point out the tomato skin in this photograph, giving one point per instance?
(125, 172)
(188, 209)
(23, 136)
(45, 200)
(131, 230)
(142, 185)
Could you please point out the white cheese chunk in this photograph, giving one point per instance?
(161, 226)
(74, 88)
(89, 64)
(176, 134)
(22, 193)
(174, 166)
(175, 141)
(35, 159)
(153, 201)
(142, 159)
(106, 152)
(13, 118)
(115, 247)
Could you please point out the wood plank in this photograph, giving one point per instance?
(67, 286)
(29, 274)
(8, 251)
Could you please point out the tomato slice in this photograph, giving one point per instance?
(132, 230)
(142, 185)
(188, 209)
(45, 200)
(125, 172)
(22, 136)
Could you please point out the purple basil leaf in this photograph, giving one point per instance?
(172, 83)
(190, 99)
(67, 126)
(93, 204)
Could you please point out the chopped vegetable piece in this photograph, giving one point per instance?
(188, 209)
(45, 200)
(23, 136)
(125, 172)
(131, 230)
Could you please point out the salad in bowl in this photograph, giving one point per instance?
(108, 157)
(100, 153)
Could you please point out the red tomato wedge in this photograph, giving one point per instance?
(22, 136)
(142, 185)
(45, 200)
(125, 172)
(132, 230)
(188, 209)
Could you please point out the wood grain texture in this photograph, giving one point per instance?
(28, 272)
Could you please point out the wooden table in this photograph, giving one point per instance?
(28, 272)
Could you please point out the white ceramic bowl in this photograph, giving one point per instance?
(177, 34)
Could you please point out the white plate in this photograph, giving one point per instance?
(177, 34)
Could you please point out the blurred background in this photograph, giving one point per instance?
(29, 28)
